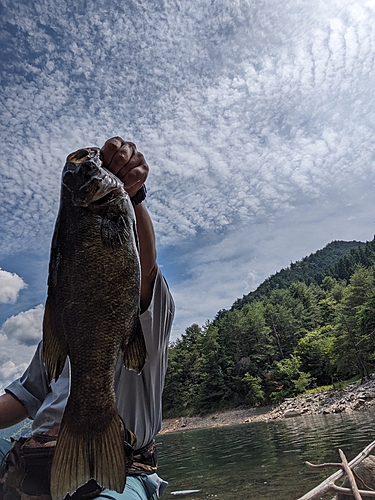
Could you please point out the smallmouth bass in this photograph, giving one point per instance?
(91, 315)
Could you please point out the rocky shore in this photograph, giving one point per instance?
(353, 397)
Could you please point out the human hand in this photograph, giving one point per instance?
(128, 164)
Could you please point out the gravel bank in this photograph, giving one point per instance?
(354, 397)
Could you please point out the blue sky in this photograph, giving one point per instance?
(256, 118)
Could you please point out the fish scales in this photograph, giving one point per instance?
(91, 314)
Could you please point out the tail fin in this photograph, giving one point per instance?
(85, 454)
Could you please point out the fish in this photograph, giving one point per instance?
(92, 314)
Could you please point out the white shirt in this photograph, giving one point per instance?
(139, 397)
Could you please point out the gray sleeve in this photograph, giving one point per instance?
(157, 321)
(32, 387)
(139, 397)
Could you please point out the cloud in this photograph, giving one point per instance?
(10, 286)
(9, 371)
(239, 123)
(248, 113)
(229, 266)
(25, 327)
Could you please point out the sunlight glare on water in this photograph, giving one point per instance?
(261, 460)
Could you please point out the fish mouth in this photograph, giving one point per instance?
(108, 198)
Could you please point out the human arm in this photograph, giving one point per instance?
(123, 159)
(24, 396)
(147, 251)
(12, 411)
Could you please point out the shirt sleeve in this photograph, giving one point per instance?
(157, 320)
(32, 387)
(139, 397)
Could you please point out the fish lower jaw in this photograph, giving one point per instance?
(108, 198)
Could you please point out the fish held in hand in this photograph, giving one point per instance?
(91, 315)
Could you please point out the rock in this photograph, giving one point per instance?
(358, 404)
(338, 409)
(292, 413)
(368, 395)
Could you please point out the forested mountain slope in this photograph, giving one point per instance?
(310, 324)
(311, 269)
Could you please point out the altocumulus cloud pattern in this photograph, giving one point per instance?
(244, 109)
(257, 120)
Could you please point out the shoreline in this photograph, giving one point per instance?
(217, 419)
(353, 397)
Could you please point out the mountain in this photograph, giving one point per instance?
(334, 257)
(311, 324)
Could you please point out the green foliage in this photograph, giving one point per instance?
(354, 327)
(311, 324)
(255, 392)
(302, 382)
(315, 351)
(336, 259)
(294, 380)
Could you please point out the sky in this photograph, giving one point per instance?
(255, 117)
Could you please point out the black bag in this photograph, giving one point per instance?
(26, 471)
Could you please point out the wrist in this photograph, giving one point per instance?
(139, 196)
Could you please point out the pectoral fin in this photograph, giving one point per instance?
(114, 231)
(55, 349)
(134, 349)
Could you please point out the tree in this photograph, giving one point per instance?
(212, 390)
(315, 351)
(183, 375)
(255, 393)
(294, 381)
(353, 354)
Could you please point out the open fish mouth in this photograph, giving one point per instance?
(108, 198)
(88, 181)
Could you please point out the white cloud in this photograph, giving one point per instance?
(9, 371)
(219, 112)
(248, 113)
(232, 265)
(10, 286)
(25, 327)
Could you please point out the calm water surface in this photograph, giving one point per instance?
(260, 460)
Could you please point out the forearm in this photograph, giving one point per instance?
(147, 252)
(12, 411)
(122, 158)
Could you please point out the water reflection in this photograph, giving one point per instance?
(262, 460)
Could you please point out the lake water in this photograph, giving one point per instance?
(260, 460)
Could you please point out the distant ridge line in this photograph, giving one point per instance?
(312, 268)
